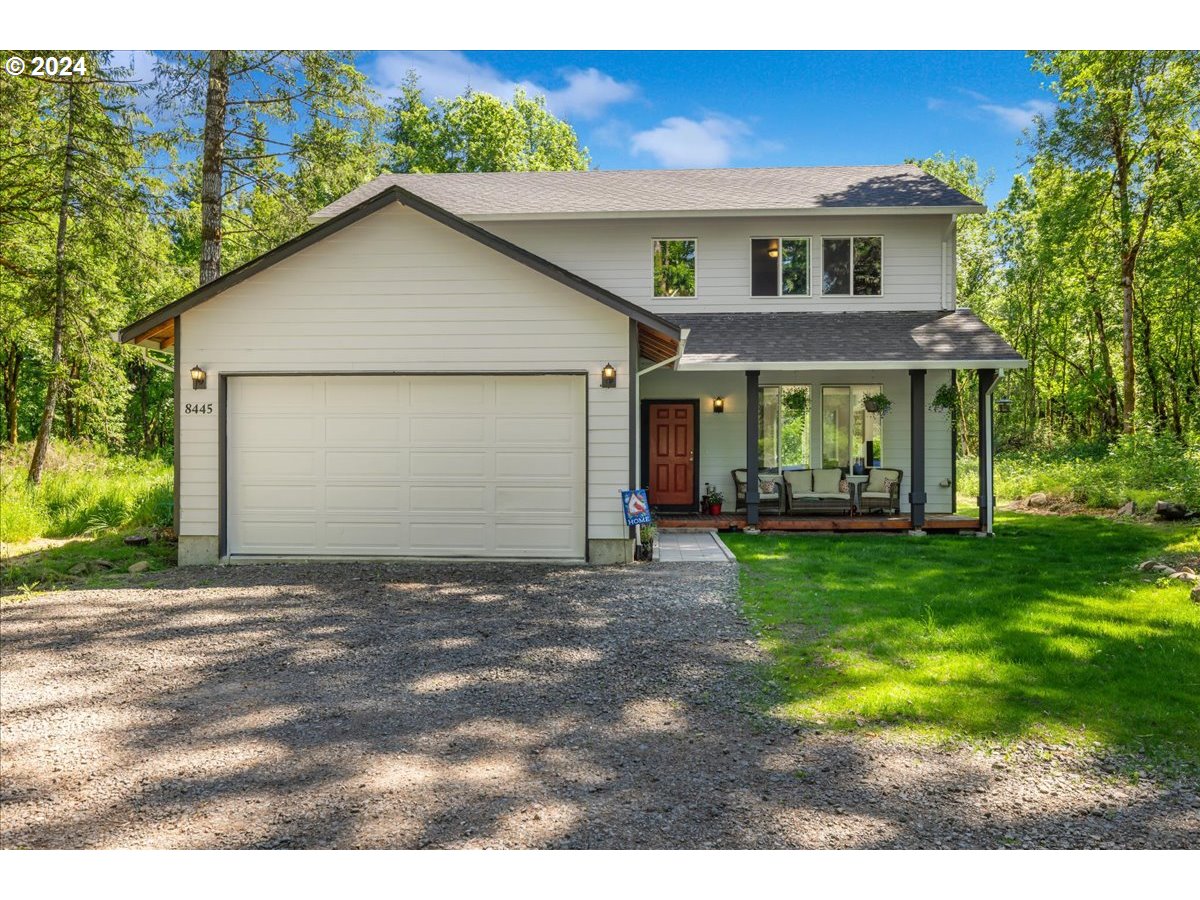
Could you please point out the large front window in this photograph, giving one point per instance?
(783, 416)
(848, 431)
(779, 267)
(674, 267)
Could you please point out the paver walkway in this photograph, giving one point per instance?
(691, 547)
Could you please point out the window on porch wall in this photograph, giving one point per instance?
(848, 431)
(783, 433)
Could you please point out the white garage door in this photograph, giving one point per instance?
(390, 465)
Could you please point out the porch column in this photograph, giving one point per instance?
(987, 480)
(752, 449)
(916, 494)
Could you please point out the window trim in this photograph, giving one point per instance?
(779, 294)
(696, 253)
(851, 238)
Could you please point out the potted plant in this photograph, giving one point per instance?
(877, 403)
(645, 549)
(712, 500)
(946, 400)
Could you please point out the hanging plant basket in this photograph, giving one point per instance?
(946, 400)
(877, 403)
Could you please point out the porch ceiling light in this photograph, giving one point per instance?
(608, 376)
(718, 405)
(199, 378)
(773, 251)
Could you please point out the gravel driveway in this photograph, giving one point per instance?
(412, 705)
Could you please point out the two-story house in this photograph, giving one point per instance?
(477, 364)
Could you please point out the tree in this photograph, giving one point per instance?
(235, 108)
(479, 132)
(85, 126)
(1123, 113)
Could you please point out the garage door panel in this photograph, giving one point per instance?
(368, 498)
(449, 464)
(449, 498)
(461, 394)
(364, 430)
(264, 464)
(536, 499)
(539, 465)
(535, 430)
(362, 464)
(444, 431)
(407, 465)
(373, 393)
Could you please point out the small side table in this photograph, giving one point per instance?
(856, 483)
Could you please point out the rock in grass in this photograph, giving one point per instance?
(1128, 509)
(79, 569)
(1196, 594)
(136, 540)
(1038, 500)
(1184, 576)
(140, 566)
(102, 564)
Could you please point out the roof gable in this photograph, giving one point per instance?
(394, 194)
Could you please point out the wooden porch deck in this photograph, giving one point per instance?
(770, 522)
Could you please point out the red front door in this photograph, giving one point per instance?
(672, 445)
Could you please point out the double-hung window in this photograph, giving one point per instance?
(779, 267)
(852, 266)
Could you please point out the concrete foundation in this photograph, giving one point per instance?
(610, 551)
(197, 550)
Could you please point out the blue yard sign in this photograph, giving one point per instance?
(637, 507)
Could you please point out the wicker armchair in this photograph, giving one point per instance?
(815, 491)
(772, 499)
(881, 493)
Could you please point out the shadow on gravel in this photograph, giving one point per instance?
(358, 705)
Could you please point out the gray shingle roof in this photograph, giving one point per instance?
(884, 339)
(668, 191)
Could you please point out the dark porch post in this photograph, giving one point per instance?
(752, 449)
(987, 481)
(916, 495)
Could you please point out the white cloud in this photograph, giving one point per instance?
(585, 93)
(680, 142)
(1019, 117)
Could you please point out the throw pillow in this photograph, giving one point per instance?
(843, 486)
(825, 481)
(876, 481)
(767, 487)
(888, 484)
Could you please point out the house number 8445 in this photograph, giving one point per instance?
(200, 409)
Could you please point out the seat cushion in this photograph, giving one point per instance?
(877, 478)
(798, 480)
(826, 481)
(877, 495)
(814, 495)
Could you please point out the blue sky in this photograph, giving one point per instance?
(678, 109)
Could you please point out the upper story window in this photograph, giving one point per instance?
(674, 267)
(779, 267)
(852, 266)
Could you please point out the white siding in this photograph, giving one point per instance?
(398, 292)
(723, 437)
(616, 254)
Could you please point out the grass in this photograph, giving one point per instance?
(1143, 468)
(83, 491)
(1047, 631)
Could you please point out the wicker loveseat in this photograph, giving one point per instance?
(767, 499)
(815, 491)
(881, 493)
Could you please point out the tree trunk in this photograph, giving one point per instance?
(213, 165)
(1112, 413)
(55, 380)
(12, 399)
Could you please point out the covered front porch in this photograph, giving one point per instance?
(788, 429)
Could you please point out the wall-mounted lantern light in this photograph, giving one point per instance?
(608, 376)
(718, 405)
(199, 378)
(1003, 404)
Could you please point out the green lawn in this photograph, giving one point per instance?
(1046, 630)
